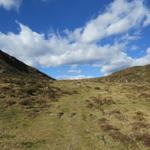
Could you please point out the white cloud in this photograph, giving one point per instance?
(32, 47)
(74, 77)
(10, 4)
(120, 62)
(125, 61)
(119, 17)
(143, 60)
(74, 71)
(134, 48)
(147, 21)
(129, 37)
(79, 46)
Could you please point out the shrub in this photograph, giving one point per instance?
(97, 88)
(96, 102)
(10, 102)
(25, 102)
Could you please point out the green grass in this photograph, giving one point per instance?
(84, 115)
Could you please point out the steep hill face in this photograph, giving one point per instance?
(11, 66)
(22, 83)
(134, 74)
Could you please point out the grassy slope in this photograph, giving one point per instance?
(74, 115)
(133, 74)
(38, 113)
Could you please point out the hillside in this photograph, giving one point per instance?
(22, 84)
(133, 74)
(11, 66)
(39, 113)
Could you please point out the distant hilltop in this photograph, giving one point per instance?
(133, 74)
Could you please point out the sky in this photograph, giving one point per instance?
(73, 39)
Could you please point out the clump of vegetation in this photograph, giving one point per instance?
(97, 88)
(27, 144)
(146, 140)
(25, 102)
(29, 90)
(104, 123)
(140, 125)
(10, 102)
(139, 116)
(32, 144)
(116, 134)
(145, 95)
(95, 102)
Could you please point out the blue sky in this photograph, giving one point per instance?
(76, 38)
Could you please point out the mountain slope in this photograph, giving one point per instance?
(37, 113)
(133, 74)
(22, 84)
(12, 66)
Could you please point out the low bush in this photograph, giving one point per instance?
(25, 102)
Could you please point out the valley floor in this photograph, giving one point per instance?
(86, 115)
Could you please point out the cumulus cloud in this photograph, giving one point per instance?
(74, 77)
(74, 71)
(80, 46)
(143, 60)
(119, 17)
(33, 48)
(10, 4)
(147, 21)
(125, 61)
